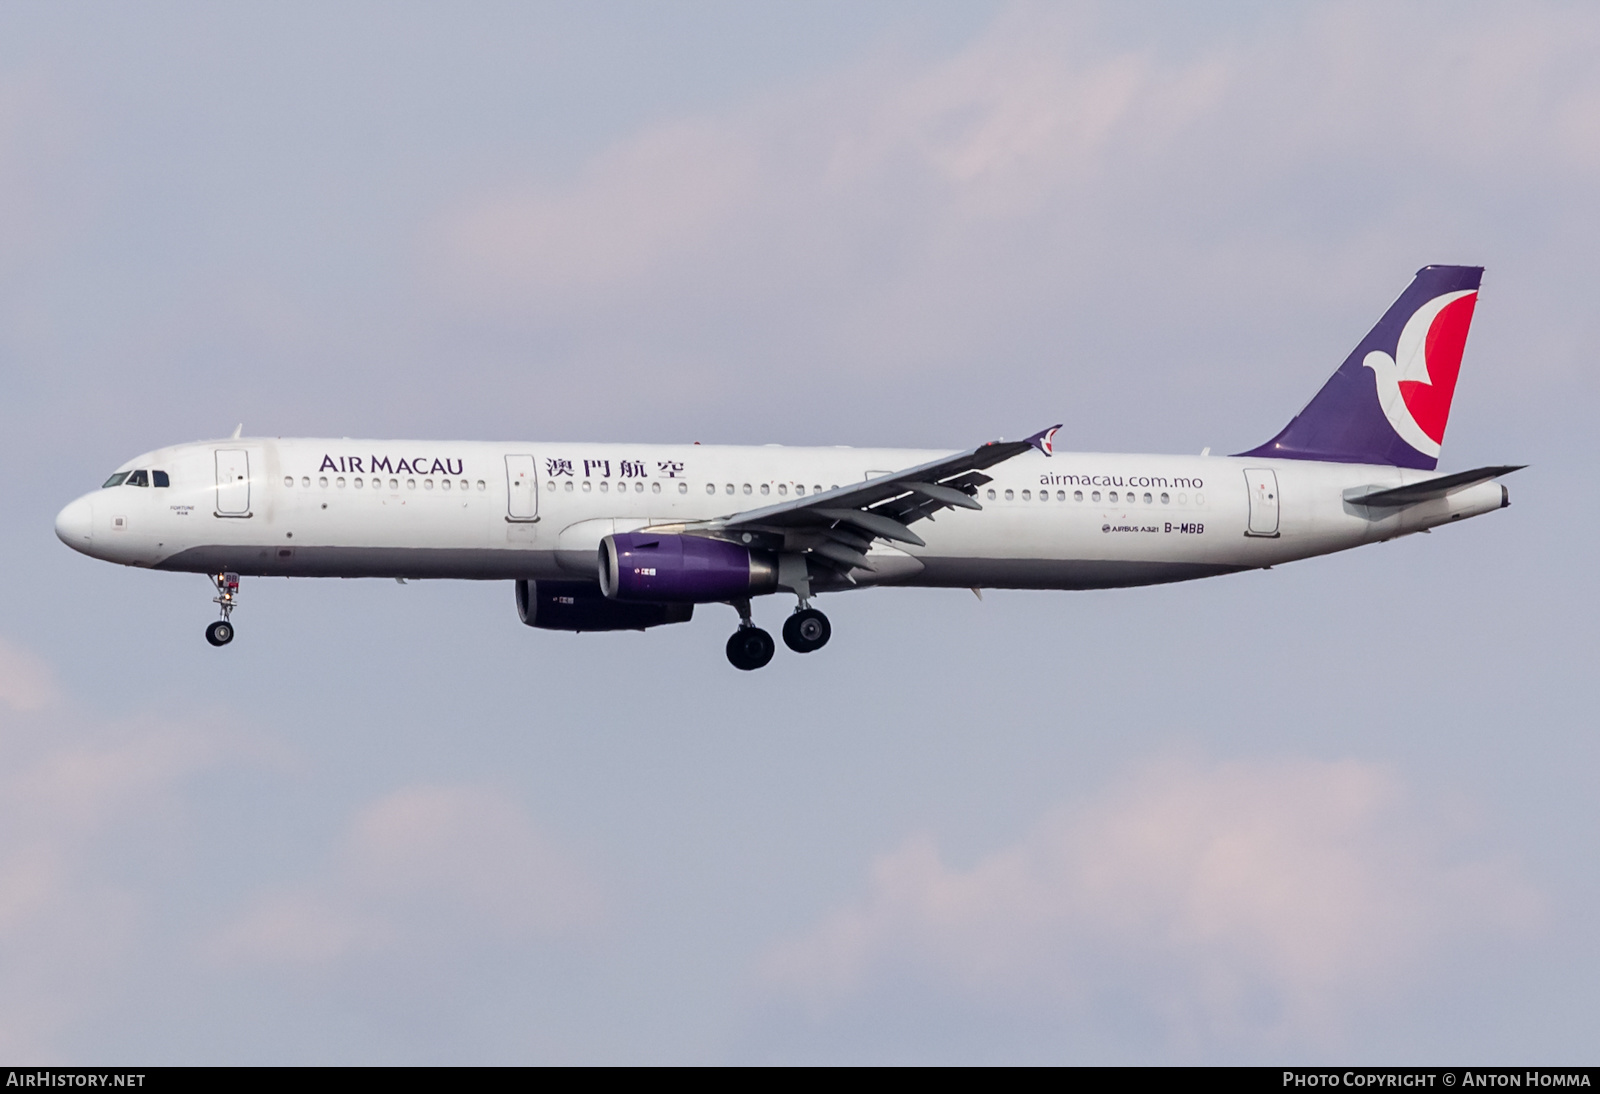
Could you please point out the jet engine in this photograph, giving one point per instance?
(579, 606)
(636, 566)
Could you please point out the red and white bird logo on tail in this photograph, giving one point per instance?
(1415, 385)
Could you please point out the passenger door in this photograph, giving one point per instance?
(233, 482)
(1263, 485)
(522, 489)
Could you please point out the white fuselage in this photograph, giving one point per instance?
(476, 510)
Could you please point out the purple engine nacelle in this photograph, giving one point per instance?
(682, 569)
(579, 606)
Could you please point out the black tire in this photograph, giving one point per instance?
(750, 648)
(220, 633)
(806, 631)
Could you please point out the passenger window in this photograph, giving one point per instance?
(765, 489)
(1010, 495)
(1077, 495)
(711, 488)
(1027, 495)
(1165, 499)
(115, 480)
(159, 478)
(800, 489)
(655, 488)
(139, 478)
(746, 488)
(305, 481)
(1112, 497)
(991, 495)
(683, 488)
(1147, 499)
(1061, 495)
(730, 488)
(1095, 496)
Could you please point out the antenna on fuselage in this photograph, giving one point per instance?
(237, 430)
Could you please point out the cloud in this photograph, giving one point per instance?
(423, 868)
(987, 135)
(1247, 899)
(88, 826)
(641, 204)
(108, 884)
(26, 682)
(900, 214)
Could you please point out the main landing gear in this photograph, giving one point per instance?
(806, 630)
(750, 647)
(220, 633)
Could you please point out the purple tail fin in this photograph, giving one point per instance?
(1390, 400)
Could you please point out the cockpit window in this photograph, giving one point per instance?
(115, 480)
(159, 478)
(138, 478)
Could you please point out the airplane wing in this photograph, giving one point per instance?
(838, 526)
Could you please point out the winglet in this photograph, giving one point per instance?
(1045, 440)
(238, 429)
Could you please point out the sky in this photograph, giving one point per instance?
(1342, 810)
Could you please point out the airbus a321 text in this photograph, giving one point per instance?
(599, 537)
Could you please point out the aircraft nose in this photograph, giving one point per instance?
(75, 524)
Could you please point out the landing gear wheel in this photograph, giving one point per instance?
(750, 648)
(807, 630)
(220, 633)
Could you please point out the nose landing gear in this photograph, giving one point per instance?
(220, 633)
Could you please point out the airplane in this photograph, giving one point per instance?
(601, 537)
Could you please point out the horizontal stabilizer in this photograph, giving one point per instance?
(1395, 497)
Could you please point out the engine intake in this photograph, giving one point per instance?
(579, 606)
(682, 569)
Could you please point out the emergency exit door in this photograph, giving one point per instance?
(522, 489)
(1263, 484)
